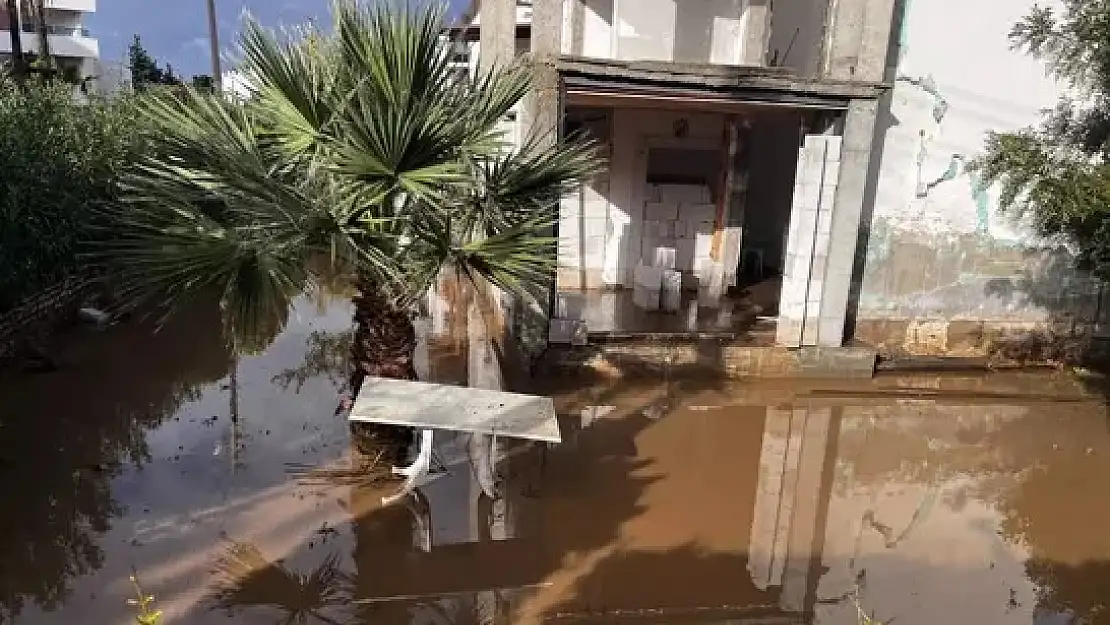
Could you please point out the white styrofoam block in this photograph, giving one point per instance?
(651, 193)
(661, 211)
(671, 293)
(664, 230)
(702, 228)
(665, 257)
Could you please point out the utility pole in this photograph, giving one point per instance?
(17, 43)
(214, 41)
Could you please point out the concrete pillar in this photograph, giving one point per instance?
(858, 39)
(497, 21)
(757, 32)
(542, 119)
(855, 161)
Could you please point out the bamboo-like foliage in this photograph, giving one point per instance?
(361, 146)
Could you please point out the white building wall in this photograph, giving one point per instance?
(940, 247)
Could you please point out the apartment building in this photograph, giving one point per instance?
(70, 42)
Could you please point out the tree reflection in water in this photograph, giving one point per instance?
(247, 580)
(65, 435)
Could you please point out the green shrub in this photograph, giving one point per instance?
(59, 159)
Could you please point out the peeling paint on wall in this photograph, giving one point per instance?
(939, 246)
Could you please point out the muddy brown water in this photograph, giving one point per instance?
(921, 500)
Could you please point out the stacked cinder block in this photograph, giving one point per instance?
(679, 223)
(679, 218)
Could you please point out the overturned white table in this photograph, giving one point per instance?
(429, 407)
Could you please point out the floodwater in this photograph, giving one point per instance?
(918, 500)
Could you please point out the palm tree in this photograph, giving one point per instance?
(360, 152)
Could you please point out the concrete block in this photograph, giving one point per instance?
(698, 212)
(665, 258)
(648, 276)
(824, 221)
(683, 193)
(703, 245)
(596, 209)
(828, 196)
(594, 227)
(661, 211)
(645, 299)
(594, 256)
(570, 206)
(570, 306)
(671, 293)
(684, 254)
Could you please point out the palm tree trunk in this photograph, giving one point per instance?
(384, 346)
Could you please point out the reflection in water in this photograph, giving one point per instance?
(246, 579)
(741, 502)
(327, 355)
(64, 436)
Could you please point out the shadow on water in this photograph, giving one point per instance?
(65, 435)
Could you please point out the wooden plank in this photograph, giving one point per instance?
(457, 408)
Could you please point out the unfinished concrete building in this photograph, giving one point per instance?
(738, 135)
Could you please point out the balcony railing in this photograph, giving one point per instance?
(64, 31)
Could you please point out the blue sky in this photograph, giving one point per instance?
(176, 31)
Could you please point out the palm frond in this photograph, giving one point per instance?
(363, 152)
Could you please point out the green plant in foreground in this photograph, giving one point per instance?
(143, 603)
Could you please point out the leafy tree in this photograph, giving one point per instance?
(1057, 174)
(363, 154)
(145, 70)
(203, 82)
